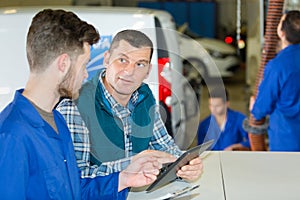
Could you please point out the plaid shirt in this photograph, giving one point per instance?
(160, 140)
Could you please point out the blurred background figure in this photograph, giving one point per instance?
(224, 125)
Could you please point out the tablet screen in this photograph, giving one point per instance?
(168, 173)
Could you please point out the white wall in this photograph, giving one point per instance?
(93, 2)
(4, 3)
(254, 41)
(227, 15)
(292, 4)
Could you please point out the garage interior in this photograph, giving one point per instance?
(231, 175)
(232, 14)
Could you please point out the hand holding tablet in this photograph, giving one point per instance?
(168, 173)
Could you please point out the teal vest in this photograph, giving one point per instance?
(106, 130)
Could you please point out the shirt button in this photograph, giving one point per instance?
(65, 160)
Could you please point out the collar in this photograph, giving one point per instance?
(32, 116)
(27, 109)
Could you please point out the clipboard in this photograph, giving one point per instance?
(168, 173)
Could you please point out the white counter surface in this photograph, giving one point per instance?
(239, 176)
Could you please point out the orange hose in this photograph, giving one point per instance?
(257, 142)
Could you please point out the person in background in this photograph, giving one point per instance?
(115, 119)
(224, 125)
(279, 92)
(37, 159)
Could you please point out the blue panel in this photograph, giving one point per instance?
(179, 11)
(97, 55)
(153, 5)
(203, 18)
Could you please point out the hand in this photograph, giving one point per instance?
(160, 155)
(251, 102)
(143, 169)
(236, 147)
(192, 170)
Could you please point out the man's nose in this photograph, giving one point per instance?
(129, 69)
(213, 109)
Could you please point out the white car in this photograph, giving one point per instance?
(166, 81)
(207, 57)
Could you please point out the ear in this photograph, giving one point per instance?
(64, 63)
(106, 59)
(281, 34)
(227, 103)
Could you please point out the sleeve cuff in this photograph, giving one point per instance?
(123, 193)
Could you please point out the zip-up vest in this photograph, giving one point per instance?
(106, 130)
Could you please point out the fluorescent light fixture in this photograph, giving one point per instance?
(10, 11)
(4, 90)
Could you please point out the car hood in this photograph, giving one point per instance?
(217, 45)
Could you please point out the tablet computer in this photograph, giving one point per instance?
(168, 173)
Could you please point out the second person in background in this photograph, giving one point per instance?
(224, 125)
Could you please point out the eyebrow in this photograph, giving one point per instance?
(142, 60)
(122, 54)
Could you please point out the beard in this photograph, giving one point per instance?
(65, 88)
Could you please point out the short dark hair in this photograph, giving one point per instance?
(134, 37)
(219, 92)
(53, 32)
(291, 26)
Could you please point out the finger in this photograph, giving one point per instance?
(150, 178)
(189, 175)
(228, 148)
(156, 154)
(151, 171)
(151, 165)
(142, 163)
(190, 171)
(161, 154)
(195, 161)
(144, 160)
(192, 167)
(145, 153)
(167, 159)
